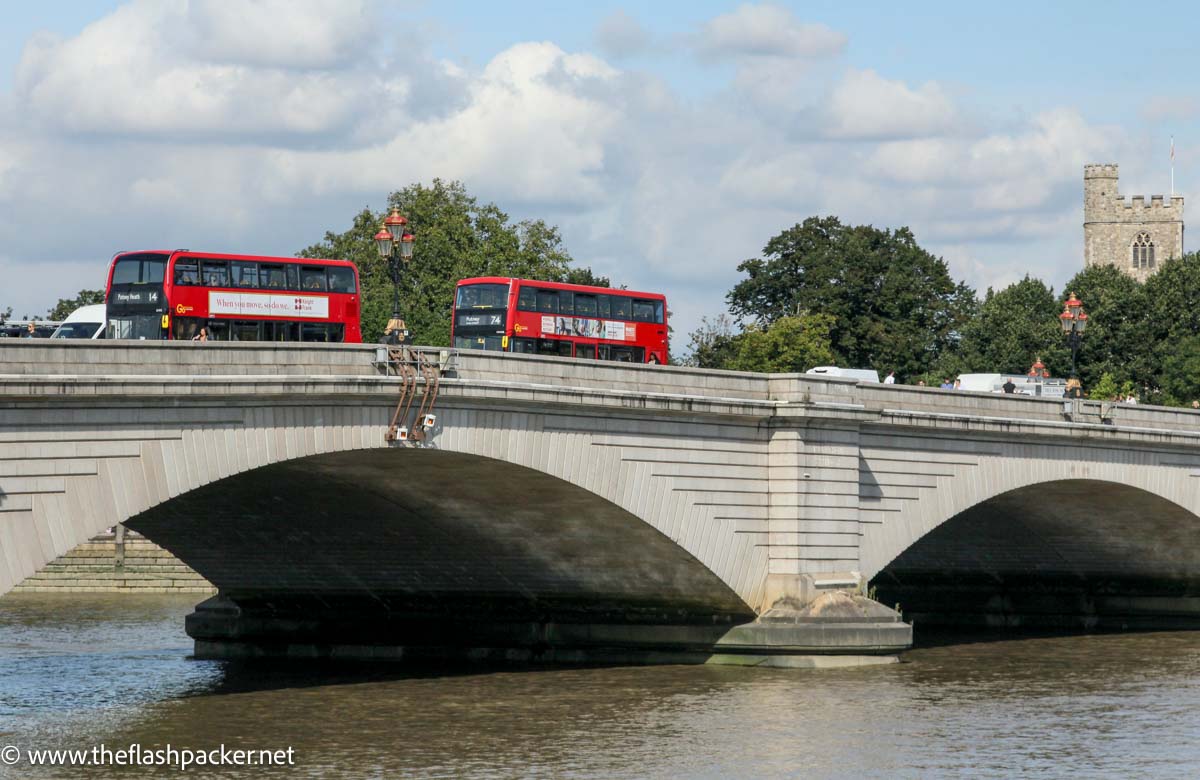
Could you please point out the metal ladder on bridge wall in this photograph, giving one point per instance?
(416, 366)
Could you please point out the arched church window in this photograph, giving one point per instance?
(1142, 255)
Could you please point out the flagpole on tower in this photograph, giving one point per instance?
(1172, 166)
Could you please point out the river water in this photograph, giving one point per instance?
(84, 670)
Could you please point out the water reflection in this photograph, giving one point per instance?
(116, 670)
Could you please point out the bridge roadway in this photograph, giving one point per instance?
(579, 510)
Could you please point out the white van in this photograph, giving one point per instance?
(86, 322)
(861, 374)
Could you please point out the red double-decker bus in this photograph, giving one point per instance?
(173, 294)
(554, 318)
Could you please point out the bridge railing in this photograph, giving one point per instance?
(46, 358)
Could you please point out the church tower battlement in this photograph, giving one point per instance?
(1134, 236)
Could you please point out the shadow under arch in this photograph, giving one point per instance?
(1062, 554)
(407, 547)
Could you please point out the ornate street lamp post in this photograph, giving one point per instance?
(1073, 320)
(395, 245)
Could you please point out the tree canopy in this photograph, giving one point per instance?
(893, 305)
(456, 238)
(875, 299)
(1011, 329)
(65, 306)
(787, 345)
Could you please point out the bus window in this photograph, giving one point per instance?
(244, 274)
(482, 296)
(321, 331)
(214, 273)
(621, 354)
(643, 311)
(293, 277)
(585, 350)
(527, 300)
(183, 328)
(603, 307)
(341, 280)
(312, 278)
(244, 330)
(547, 301)
(186, 273)
(554, 347)
(526, 346)
(658, 312)
(218, 330)
(566, 302)
(271, 276)
(620, 308)
(585, 305)
(281, 331)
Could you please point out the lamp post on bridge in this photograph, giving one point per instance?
(395, 245)
(1073, 320)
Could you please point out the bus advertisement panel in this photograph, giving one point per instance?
(555, 318)
(199, 295)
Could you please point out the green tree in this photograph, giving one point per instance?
(67, 305)
(1179, 378)
(1012, 328)
(894, 305)
(713, 344)
(456, 238)
(1170, 314)
(4, 315)
(789, 344)
(1105, 389)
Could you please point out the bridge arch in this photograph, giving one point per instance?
(428, 532)
(1055, 553)
(151, 463)
(939, 486)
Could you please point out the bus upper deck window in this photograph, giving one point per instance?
(312, 278)
(187, 273)
(215, 273)
(271, 276)
(585, 305)
(547, 301)
(245, 274)
(620, 308)
(527, 301)
(341, 280)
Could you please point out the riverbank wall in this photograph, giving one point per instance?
(120, 561)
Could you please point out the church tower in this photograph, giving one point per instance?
(1136, 237)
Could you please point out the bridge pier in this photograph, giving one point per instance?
(845, 631)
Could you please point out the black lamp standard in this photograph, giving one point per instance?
(395, 245)
(1073, 320)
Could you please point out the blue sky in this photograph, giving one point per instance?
(668, 140)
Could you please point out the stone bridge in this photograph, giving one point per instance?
(568, 509)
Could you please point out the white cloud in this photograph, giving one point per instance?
(868, 106)
(130, 134)
(766, 31)
(206, 69)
